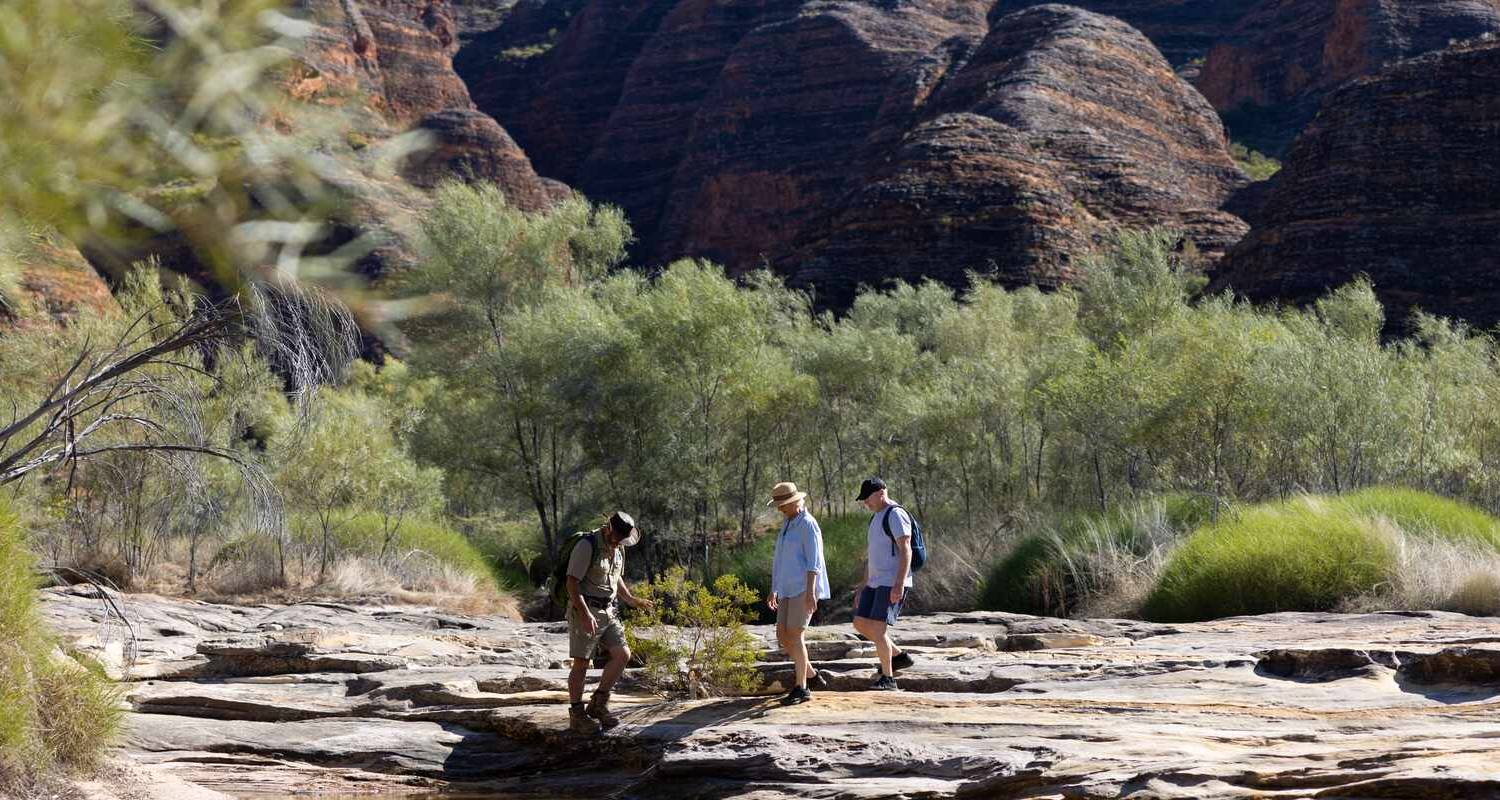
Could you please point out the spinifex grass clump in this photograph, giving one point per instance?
(55, 711)
(1097, 564)
(1303, 555)
(1381, 547)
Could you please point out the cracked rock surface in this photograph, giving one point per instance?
(323, 697)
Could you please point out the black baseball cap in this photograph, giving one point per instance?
(869, 487)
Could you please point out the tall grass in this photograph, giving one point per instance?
(420, 561)
(1302, 555)
(1095, 564)
(56, 711)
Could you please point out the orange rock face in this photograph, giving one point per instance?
(1395, 179)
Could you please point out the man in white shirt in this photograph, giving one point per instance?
(877, 603)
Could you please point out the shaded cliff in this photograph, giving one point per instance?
(1396, 179)
(1184, 30)
(1271, 72)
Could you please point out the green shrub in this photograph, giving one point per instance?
(55, 711)
(1256, 164)
(1304, 555)
(693, 643)
(844, 543)
(1082, 557)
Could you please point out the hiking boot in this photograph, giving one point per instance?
(902, 660)
(598, 708)
(815, 681)
(884, 683)
(797, 695)
(579, 722)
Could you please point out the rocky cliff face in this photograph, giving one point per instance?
(327, 698)
(1062, 125)
(1270, 72)
(837, 140)
(388, 63)
(1395, 179)
(1184, 30)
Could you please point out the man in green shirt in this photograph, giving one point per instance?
(596, 575)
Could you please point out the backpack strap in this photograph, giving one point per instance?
(885, 522)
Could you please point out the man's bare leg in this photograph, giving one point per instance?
(576, 677)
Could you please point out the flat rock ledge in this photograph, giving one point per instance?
(328, 698)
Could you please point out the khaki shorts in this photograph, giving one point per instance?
(608, 631)
(790, 613)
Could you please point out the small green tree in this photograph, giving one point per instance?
(694, 643)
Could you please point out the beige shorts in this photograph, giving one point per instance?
(608, 631)
(790, 613)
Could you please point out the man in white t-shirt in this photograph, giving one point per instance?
(877, 603)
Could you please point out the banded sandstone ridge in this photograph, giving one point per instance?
(1270, 73)
(1395, 179)
(834, 140)
(331, 698)
(365, 72)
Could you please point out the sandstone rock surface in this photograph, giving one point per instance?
(1396, 180)
(1184, 30)
(997, 705)
(1061, 126)
(846, 142)
(1270, 73)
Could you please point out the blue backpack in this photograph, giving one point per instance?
(918, 542)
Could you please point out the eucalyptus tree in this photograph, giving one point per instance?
(495, 270)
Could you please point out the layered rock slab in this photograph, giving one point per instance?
(1395, 180)
(997, 705)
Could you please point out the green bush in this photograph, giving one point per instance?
(55, 710)
(1303, 555)
(693, 641)
(844, 543)
(1051, 571)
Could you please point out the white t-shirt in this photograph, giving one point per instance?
(884, 561)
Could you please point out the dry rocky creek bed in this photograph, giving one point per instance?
(328, 698)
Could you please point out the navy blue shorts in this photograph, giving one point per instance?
(875, 603)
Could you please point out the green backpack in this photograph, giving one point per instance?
(557, 588)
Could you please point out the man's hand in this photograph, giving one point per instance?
(771, 601)
(897, 592)
(810, 604)
(643, 604)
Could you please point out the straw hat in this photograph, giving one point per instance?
(784, 493)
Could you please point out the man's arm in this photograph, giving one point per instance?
(903, 551)
(631, 600)
(585, 617)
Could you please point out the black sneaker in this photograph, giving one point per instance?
(902, 660)
(884, 683)
(795, 696)
(815, 681)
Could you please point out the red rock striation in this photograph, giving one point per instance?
(1270, 73)
(1184, 30)
(845, 142)
(1396, 179)
(1063, 125)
